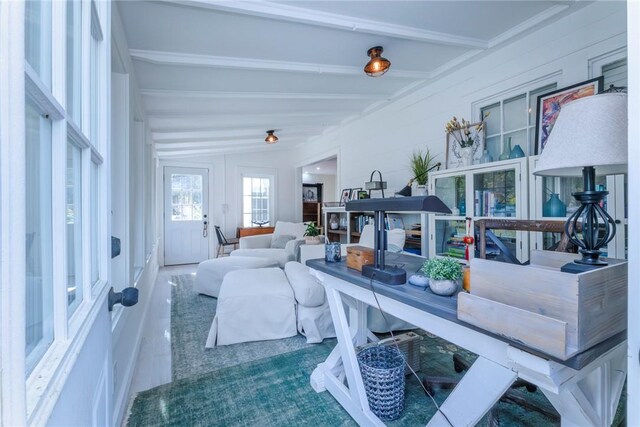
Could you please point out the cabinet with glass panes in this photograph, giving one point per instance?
(551, 199)
(493, 190)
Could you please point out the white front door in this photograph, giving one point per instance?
(186, 219)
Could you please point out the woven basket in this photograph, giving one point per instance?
(382, 369)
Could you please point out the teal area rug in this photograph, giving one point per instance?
(191, 317)
(267, 383)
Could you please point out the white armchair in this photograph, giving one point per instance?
(274, 246)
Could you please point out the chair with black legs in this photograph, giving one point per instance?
(223, 242)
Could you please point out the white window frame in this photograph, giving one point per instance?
(272, 175)
(501, 97)
(32, 400)
(595, 64)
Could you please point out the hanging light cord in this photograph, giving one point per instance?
(406, 361)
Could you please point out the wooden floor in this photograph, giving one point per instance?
(153, 367)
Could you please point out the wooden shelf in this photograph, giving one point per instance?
(343, 232)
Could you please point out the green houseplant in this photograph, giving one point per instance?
(421, 162)
(444, 275)
(312, 234)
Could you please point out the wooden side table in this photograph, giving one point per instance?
(252, 231)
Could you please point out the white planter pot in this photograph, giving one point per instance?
(311, 240)
(444, 287)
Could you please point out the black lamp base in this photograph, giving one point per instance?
(576, 268)
(389, 275)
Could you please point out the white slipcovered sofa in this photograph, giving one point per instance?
(281, 246)
(269, 303)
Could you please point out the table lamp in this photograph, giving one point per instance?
(589, 135)
(391, 275)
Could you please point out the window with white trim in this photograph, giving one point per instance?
(257, 200)
(615, 73)
(64, 183)
(39, 235)
(512, 121)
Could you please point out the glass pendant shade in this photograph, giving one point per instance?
(378, 65)
(271, 138)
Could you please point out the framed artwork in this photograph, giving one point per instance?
(363, 194)
(550, 104)
(453, 152)
(354, 193)
(345, 196)
(310, 194)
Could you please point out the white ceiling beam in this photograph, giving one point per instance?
(265, 114)
(331, 20)
(533, 22)
(166, 93)
(222, 151)
(194, 60)
(226, 134)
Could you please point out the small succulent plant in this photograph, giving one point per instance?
(442, 269)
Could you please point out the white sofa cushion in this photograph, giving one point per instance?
(295, 229)
(307, 290)
(279, 256)
(212, 271)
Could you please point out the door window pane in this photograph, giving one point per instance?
(37, 41)
(515, 113)
(74, 60)
(186, 197)
(39, 263)
(95, 224)
(74, 227)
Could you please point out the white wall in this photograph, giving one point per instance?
(385, 139)
(329, 191)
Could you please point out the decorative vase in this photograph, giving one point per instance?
(486, 157)
(506, 151)
(311, 240)
(421, 190)
(466, 154)
(462, 207)
(332, 252)
(333, 222)
(516, 153)
(554, 207)
(444, 287)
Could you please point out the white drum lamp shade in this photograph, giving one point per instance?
(590, 131)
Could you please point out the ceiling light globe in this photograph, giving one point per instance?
(378, 65)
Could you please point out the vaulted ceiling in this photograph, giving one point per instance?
(215, 75)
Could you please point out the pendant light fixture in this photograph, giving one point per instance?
(271, 138)
(378, 65)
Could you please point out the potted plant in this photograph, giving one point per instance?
(444, 275)
(312, 234)
(421, 163)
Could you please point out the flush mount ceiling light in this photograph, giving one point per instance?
(271, 138)
(378, 65)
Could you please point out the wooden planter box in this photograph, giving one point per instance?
(560, 314)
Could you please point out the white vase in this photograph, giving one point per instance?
(466, 154)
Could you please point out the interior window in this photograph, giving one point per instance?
(256, 193)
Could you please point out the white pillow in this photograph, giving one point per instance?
(306, 288)
(280, 241)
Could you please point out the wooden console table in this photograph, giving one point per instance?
(584, 389)
(252, 231)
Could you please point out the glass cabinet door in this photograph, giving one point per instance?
(448, 238)
(494, 194)
(451, 190)
(552, 199)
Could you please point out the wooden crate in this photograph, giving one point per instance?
(561, 314)
(357, 256)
